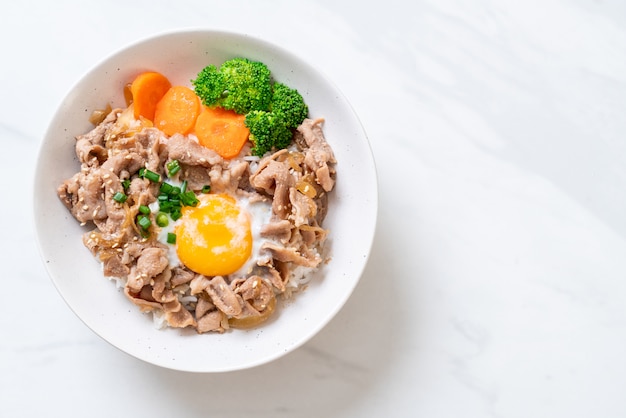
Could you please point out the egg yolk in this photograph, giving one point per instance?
(214, 238)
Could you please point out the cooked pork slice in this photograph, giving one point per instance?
(223, 296)
(115, 224)
(227, 177)
(181, 276)
(279, 230)
(68, 193)
(274, 277)
(291, 255)
(160, 287)
(133, 249)
(151, 262)
(267, 181)
(143, 191)
(189, 152)
(197, 176)
(303, 208)
(147, 143)
(211, 321)
(248, 311)
(319, 156)
(257, 292)
(142, 299)
(125, 161)
(91, 144)
(198, 284)
(203, 306)
(274, 178)
(312, 235)
(135, 281)
(177, 316)
(114, 267)
(82, 194)
(325, 177)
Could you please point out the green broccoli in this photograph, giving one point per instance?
(268, 131)
(209, 85)
(239, 84)
(290, 104)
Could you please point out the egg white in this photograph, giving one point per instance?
(260, 213)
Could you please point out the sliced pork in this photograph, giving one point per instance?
(296, 181)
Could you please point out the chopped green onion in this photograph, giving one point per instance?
(173, 167)
(144, 222)
(171, 238)
(166, 188)
(125, 184)
(175, 214)
(120, 197)
(189, 199)
(161, 220)
(144, 209)
(152, 176)
(172, 198)
(206, 188)
(166, 206)
(144, 173)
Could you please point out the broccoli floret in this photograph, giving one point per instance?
(248, 85)
(273, 129)
(239, 84)
(209, 85)
(290, 104)
(268, 131)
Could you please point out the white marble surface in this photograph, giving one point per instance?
(496, 285)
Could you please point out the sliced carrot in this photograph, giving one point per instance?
(147, 89)
(177, 111)
(223, 131)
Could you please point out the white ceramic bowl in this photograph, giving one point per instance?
(103, 308)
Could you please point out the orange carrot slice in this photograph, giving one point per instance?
(223, 131)
(147, 89)
(177, 111)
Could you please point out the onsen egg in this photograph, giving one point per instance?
(214, 238)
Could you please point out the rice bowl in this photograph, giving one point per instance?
(78, 277)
